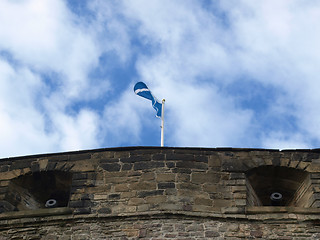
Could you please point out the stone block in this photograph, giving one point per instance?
(214, 161)
(156, 199)
(79, 211)
(148, 165)
(136, 158)
(111, 167)
(149, 176)
(240, 195)
(136, 201)
(170, 164)
(84, 166)
(315, 175)
(236, 189)
(240, 202)
(233, 165)
(143, 186)
(188, 186)
(284, 162)
(80, 203)
(143, 207)
(181, 170)
(182, 177)
(79, 183)
(109, 175)
(175, 156)
(128, 194)
(201, 158)
(77, 157)
(127, 166)
(237, 176)
(158, 156)
(203, 201)
(192, 165)
(114, 196)
(79, 176)
(166, 177)
(303, 165)
(233, 210)
(170, 191)
(121, 154)
(4, 168)
(143, 194)
(123, 187)
(222, 203)
(201, 178)
(168, 206)
(11, 174)
(293, 164)
(43, 164)
(104, 210)
(211, 234)
(102, 155)
(205, 209)
(165, 185)
(208, 187)
(20, 164)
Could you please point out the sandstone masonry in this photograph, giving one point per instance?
(161, 193)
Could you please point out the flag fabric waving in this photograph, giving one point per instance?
(142, 90)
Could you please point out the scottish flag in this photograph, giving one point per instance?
(142, 90)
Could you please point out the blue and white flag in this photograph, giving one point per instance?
(142, 90)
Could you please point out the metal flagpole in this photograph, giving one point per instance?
(162, 123)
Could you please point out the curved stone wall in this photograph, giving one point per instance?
(151, 192)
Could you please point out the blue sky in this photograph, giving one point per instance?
(237, 73)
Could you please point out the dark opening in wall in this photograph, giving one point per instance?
(39, 190)
(278, 186)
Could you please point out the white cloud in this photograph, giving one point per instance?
(187, 53)
(279, 44)
(47, 37)
(22, 125)
(47, 55)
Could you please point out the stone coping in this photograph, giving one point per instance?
(45, 212)
(281, 209)
(130, 148)
(241, 214)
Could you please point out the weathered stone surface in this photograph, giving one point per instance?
(123, 187)
(143, 186)
(156, 199)
(165, 185)
(148, 165)
(158, 156)
(111, 167)
(104, 210)
(166, 177)
(4, 168)
(136, 201)
(205, 177)
(143, 194)
(184, 157)
(127, 166)
(136, 158)
(192, 165)
(161, 193)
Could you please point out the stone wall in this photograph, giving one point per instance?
(160, 193)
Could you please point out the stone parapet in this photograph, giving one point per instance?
(201, 189)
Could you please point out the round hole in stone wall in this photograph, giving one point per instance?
(267, 180)
(32, 191)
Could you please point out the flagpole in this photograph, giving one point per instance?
(162, 123)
